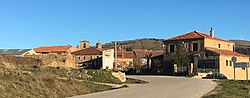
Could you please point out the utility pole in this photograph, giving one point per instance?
(115, 55)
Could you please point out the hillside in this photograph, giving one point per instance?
(241, 46)
(146, 43)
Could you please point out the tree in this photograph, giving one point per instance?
(181, 58)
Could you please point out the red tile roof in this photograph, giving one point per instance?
(53, 49)
(138, 53)
(226, 52)
(127, 54)
(88, 51)
(194, 35)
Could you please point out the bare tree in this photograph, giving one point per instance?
(181, 57)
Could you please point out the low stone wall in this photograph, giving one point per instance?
(9, 61)
(52, 60)
(120, 76)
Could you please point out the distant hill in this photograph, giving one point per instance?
(145, 43)
(242, 46)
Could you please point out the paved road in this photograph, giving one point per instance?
(159, 87)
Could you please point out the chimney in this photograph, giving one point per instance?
(211, 33)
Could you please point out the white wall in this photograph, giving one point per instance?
(107, 59)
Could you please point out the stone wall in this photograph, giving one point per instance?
(9, 61)
(51, 60)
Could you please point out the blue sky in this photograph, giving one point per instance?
(33, 23)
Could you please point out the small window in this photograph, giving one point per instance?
(84, 57)
(119, 56)
(230, 63)
(84, 45)
(79, 58)
(206, 54)
(44, 52)
(172, 48)
(226, 62)
(195, 46)
(219, 45)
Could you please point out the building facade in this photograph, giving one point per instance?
(88, 57)
(135, 58)
(207, 53)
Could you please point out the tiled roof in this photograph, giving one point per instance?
(226, 52)
(194, 35)
(138, 53)
(126, 54)
(13, 51)
(53, 49)
(88, 51)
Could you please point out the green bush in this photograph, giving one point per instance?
(103, 76)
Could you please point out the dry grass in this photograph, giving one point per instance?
(25, 77)
(230, 89)
(43, 83)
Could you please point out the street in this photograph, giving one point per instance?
(159, 87)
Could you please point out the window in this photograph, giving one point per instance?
(84, 45)
(97, 56)
(195, 46)
(79, 58)
(119, 56)
(84, 58)
(219, 45)
(172, 48)
(44, 52)
(210, 63)
(230, 63)
(226, 62)
(206, 54)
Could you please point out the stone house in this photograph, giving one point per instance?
(206, 52)
(88, 57)
(93, 57)
(55, 56)
(55, 50)
(135, 58)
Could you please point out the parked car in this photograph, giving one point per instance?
(215, 76)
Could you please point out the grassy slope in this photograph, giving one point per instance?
(231, 89)
(46, 83)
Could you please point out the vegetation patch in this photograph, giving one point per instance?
(52, 82)
(230, 89)
(103, 76)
